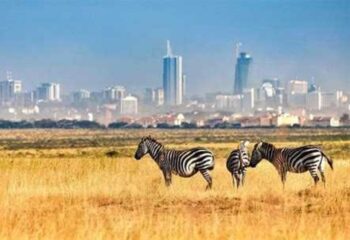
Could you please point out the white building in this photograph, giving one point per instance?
(297, 87)
(314, 101)
(159, 96)
(114, 93)
(248, 100)
(287, 120)
(331, 99)
(129, 105)
(9, 89)
(228, 102)
(80, 95)
(48, 92)
(297, 90)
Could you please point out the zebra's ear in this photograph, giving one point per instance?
(259, 145)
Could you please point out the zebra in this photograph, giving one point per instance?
(237, 162)
(184, 163)
(296, 160)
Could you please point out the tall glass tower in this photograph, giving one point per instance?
(172, 78)
(242, 72)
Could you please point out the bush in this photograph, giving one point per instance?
(117, 125)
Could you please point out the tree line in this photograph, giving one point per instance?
(85, 124)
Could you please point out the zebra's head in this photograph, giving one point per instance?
(256, 154)
(142, 148)
(243, 147)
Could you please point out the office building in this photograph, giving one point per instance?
(242, 72)
(172, 78)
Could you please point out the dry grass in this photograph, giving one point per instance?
(81, 193)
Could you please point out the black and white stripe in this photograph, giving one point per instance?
(237, 162)
(297, 160)
(184, 163)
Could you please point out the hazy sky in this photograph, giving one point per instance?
(94, 44)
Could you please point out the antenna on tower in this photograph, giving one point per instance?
(168, 48)
(9, 75)
(238, 45)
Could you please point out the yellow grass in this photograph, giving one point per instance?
(82, 194)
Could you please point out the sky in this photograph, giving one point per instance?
(94, 44)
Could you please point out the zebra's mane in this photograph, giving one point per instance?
(152, 140)
(266, 145)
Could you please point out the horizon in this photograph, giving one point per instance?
(94, 45)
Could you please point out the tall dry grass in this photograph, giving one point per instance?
(82, 194)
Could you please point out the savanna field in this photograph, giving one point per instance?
(84, 184)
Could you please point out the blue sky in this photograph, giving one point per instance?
(94, 44)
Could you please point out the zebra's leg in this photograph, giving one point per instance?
(207, 177)
(323, 177)
(314, 175)
(233, 180)
(243, 176)
(167, 177)
(238, 179)
(283, 175)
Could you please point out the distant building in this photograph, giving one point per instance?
(129, 105)
(184, 80)
(154, 97)
(297, 87)
(159, 96)
(314, 100)
(242, 72)
(115, 93)
(80, 95)
(172, 78)
(149, 96)
(297, 90)
(48, 92)
(331, 99)
(248, 100)
(9, 89)
(287, 120)
(228, 102)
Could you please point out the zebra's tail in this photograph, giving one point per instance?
(329, 160)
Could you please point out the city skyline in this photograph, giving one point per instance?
(94, 45)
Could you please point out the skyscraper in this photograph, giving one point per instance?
(172, 78)
(48, 92)
(242, 72)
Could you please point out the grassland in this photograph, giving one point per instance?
(62, 184)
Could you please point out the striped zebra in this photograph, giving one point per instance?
(184, 163)
(298, 160)
(237, 162)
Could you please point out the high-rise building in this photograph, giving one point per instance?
(9, 89)
(48, 92)
(228, 102)
(314, 100)
(114, 93)
(154, 97)
(248, 100)
(331, 99)
(80, 95)
(150, 96)
(172, 78)
(159, 96)
(297, 87)
(296, 91)
(129, 105)
(242, 72)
